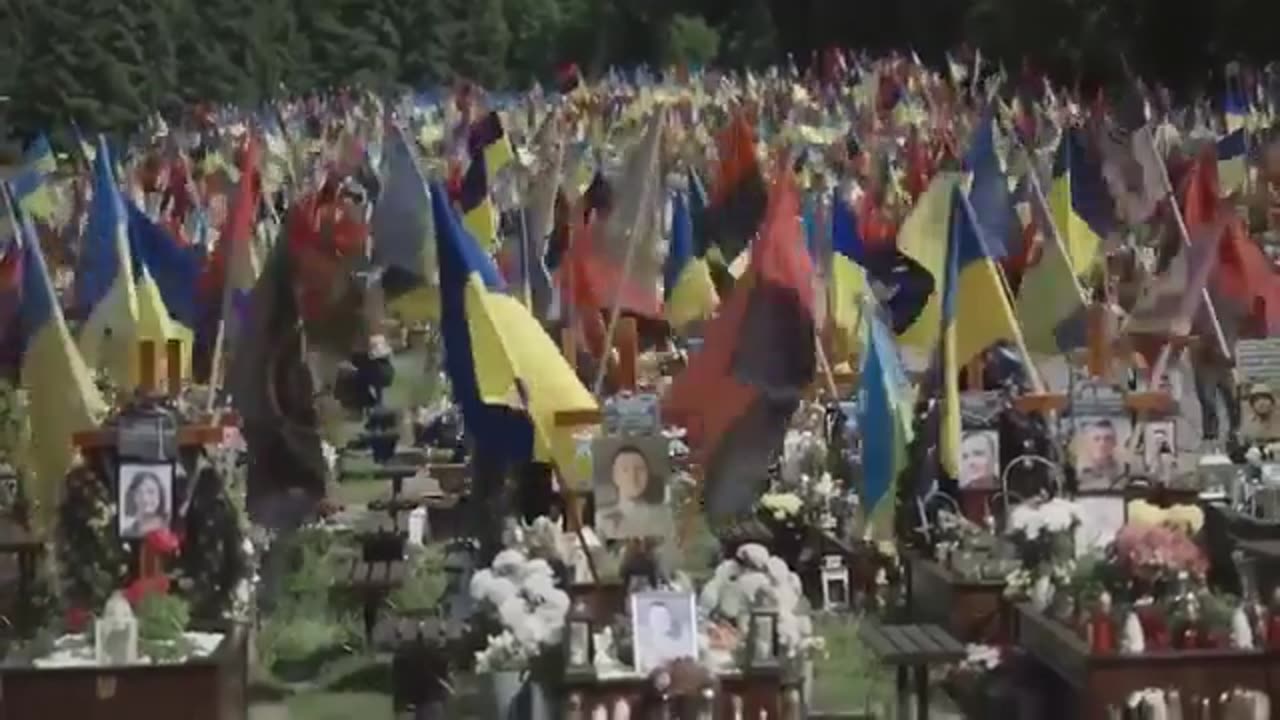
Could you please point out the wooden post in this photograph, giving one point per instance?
(569, 347)
(173, 363)
(628, 345)
(147, 366)
(973, 374)
(1099, 329)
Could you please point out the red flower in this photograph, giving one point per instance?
(139, 589)
(76, 619)
(162, 542)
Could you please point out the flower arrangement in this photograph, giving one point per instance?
(781, 506)
(1154, 552)
(1186, 518)
(751, 579)
(804, 453)
(521, 595)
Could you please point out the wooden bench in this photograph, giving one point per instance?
(372, 582)
(912, 647)
(973, 609)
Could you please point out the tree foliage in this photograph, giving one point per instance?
(106, 64)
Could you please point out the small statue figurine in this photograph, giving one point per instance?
(116, 633)
(1132, 640)
(1241, 632)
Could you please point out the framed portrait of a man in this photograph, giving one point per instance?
(1098, 451)
(630, 487)
(979, 459)
(664, 627)
(1159, 445)
(145, 499)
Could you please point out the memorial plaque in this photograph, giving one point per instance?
(151, 437)
(632, 415)
(1258, 361)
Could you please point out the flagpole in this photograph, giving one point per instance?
(1186, 241)
(615, 308)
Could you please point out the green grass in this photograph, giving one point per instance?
(339, 706)
(849, 678)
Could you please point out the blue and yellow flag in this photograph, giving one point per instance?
(403, 236)
(989, 193)
(848, 279)
(105, 296)
(479, 215)
(166, 276)
(1233, 149)
(507, 374)
(975, 315)
(1080, 202)
(689, 293)
(63, 398)
(1051, 305)
(885, 419)
(923, 239)
(32, 187)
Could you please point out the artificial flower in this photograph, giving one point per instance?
(139, 589)
(162, 541)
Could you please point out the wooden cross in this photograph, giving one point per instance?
(188, 435)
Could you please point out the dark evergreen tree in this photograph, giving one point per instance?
(751, 39)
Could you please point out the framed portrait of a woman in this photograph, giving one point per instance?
(979, 459)
(630, 487)
(145, 499)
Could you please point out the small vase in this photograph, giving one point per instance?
(503, 689)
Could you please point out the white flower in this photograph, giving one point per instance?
(778, 570)
(754, 555)
(753, 582)
(481, 585)
(537, 568)
(727, 570)
(508, 562)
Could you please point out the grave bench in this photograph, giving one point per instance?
(371, 582)
(912, 647)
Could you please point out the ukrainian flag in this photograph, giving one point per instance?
(921, 238)
(1079, 201)
(488, 138)
(689, 293)
(63, 398)
(105, 295)
(975, 315)
(33, 186)
(848, 280)
(479, 215)
(885, 419)
(166, 276)
(1235, 108)
(506, 373)
(1232, 170)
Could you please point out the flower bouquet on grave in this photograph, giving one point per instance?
(752, 580)
(525, 613)
(1043, 534)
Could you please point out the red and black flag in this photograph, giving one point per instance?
(738, 191)
(739, 391)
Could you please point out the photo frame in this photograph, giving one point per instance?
(1102, 515)
(664, 627)
(145, 495)
(630, 487)
(1159, 444)
(1099, 450)
(835, 583)
(979, 459)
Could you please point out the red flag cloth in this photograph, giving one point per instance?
(738, 392)
(324, 232)
(238, 228)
